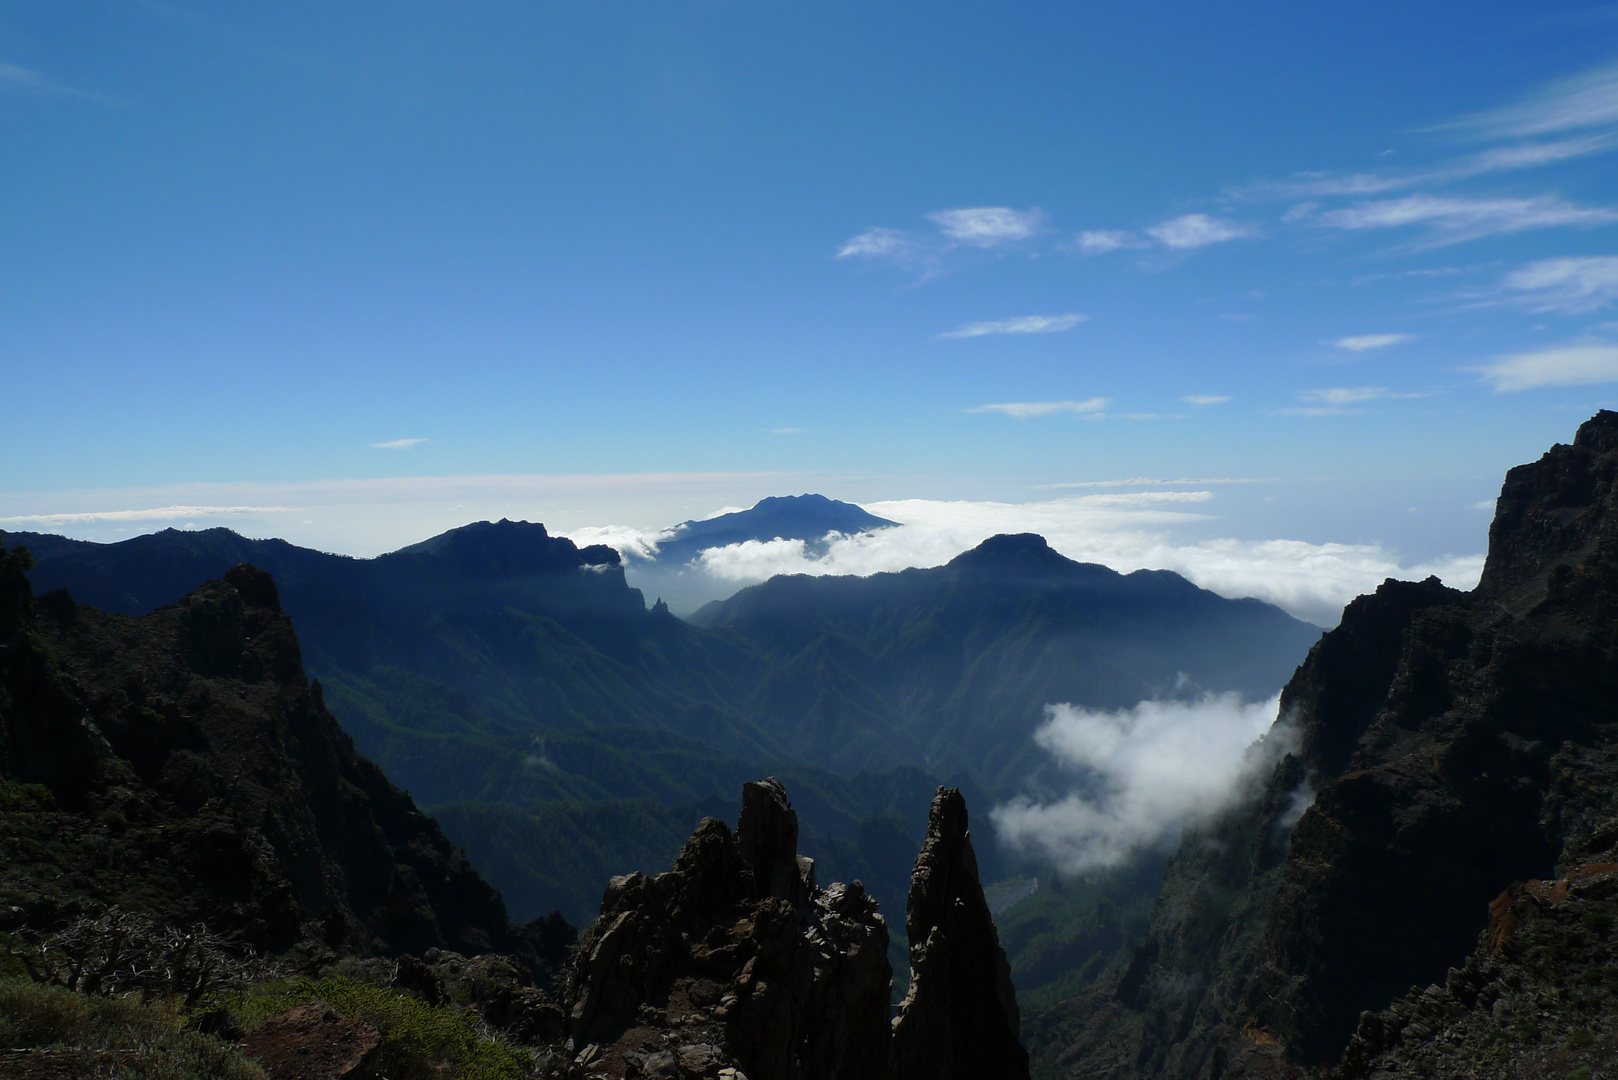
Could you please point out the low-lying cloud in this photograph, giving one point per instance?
(1124, 530)
(1140, 776)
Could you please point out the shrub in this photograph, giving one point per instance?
(117, 1035)
(419, 1041)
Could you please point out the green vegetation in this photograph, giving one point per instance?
(114, 1036)
(419, 1041)
(1067, 933)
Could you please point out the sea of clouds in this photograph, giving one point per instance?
(1124, 530)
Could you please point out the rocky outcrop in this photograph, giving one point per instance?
(1533, 999)
(959, 1018)
(736, 964)
(734, 959)
(181, 765)
(1448, 745)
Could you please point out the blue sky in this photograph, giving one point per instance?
(640, 261)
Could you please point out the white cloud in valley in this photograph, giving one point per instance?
(1140, 775)
(397, 444)
(1025, 324)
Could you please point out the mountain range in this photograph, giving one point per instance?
(518, 687)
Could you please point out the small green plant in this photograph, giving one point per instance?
(419, 1041)
(139, 1040)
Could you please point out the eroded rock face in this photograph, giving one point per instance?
(959, 1019)
(735, 960)
(1452, 744)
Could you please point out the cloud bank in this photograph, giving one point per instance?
(1142, 774)
(1124, 530)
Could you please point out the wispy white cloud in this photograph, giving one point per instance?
(1196, 230)
(1147, 773)
(877, 243)
(1362, 342)
(1205, 399)
(1338, 396)
(397, 444)
(988, 226)
(157, 513)
(1310, 186)
(1574, 284)
(787, 430)
(1586, 100)
(1022, 410)
(1571, 365)
(1451, 220)
(1026, 324)
(29, 81)
(1100, 241)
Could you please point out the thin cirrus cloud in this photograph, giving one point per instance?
(988, 226)
(1570, 365)
(1364, 342)
(1571, 285)
(1205, 399)
(1353, 395)
(32, 82)
(1022, 410)
(397, 444)
(1100, 241)
(876, 243)
(1026, 324)
(1579, 102)
(1454, 219)
(1196, 230)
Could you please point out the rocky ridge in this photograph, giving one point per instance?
(181, 766)
(1450, 747)
(736, 964)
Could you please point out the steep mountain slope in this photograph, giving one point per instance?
(181, 765)
(1453, 745)
(494, 628)
(951, 667)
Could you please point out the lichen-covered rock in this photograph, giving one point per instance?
(959, 1019)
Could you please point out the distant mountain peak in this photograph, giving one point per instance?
(1018, 553)
(808, 517)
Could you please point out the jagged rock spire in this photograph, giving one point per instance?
(960, 1017)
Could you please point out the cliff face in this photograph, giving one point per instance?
(736, 960)
(181, 765)
(1452, 745)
